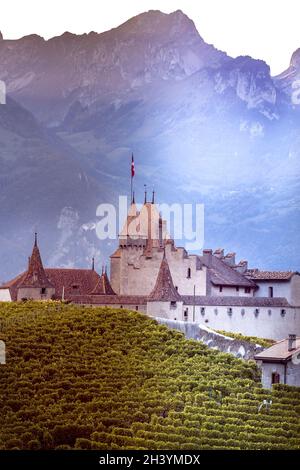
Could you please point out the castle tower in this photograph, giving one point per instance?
(164, 300)
(35, 285)
(103, 286)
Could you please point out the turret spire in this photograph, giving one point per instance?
(153, 196)
(93, 264)
(145, 199)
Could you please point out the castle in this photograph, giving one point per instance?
(149, 273)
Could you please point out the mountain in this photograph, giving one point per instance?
(204, 128)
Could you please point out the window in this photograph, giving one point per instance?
(189, 273)
(136, 307)
(283, 312)
(275, 378)
(186, 314)
(176, 287)
(220, 288)
(216, 311)
(270, 291)
(75, 286)
(247, 290)
(243, 312)
(229, 311)
(269, 312)
(256, 312)
(237, 289)
(202, 310)
(173, 304)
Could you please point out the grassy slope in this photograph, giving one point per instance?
(110, 379)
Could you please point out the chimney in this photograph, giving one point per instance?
(219, 253)
(242, 266)
(229, 259)
(291, 342)
(160, 231)
(207, 257)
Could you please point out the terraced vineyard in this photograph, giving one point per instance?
(113, 379)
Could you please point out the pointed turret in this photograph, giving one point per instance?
(36, 276)
(164, 289)
(103, 286)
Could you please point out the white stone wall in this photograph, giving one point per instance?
(230, 291)
(267, 369)
(5, 295)
(287, 289)
(264, 325)
(269, 323)
(289, 373)
(134, 274)
(164, 310)
(34, 293)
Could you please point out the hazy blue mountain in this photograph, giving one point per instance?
(204, 127)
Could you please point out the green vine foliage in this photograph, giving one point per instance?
(102, 378)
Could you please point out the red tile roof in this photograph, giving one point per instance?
(279, 351)
(74, 281)
(270, 275)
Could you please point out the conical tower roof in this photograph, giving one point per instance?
(103, 286)
(35, 276)
(164, 288)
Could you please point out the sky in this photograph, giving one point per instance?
(264, 29)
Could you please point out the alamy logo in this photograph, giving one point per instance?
(2, 92)
(186, 222)
(2, 352)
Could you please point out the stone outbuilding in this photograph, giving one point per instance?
(280, 363)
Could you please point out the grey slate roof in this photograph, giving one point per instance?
(221, 274)
(235, 301)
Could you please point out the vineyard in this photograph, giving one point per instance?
(100, 378)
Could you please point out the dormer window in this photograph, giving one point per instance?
(75, 286)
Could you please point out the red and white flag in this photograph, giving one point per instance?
(132, 167)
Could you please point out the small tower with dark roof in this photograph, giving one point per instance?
(35, 285)
(103, 286)
(164, 300)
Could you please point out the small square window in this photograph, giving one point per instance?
(229, 311)
(173, 304)
(247, 290)
(202, 310)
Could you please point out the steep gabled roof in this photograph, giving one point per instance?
(35, 276)
(164, 288)
(221, 274)
(103, 286)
